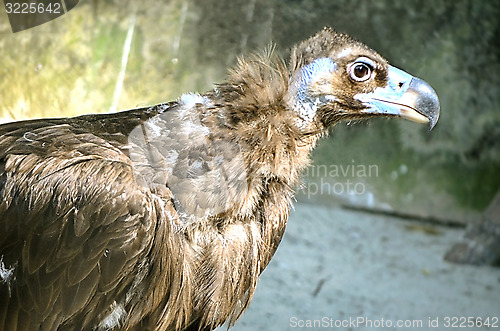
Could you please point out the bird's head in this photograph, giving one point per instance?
(337, 78)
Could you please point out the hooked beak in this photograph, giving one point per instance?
(405, 96)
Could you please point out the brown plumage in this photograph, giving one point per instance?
(163, 218)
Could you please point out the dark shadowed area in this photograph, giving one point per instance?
(383, 200)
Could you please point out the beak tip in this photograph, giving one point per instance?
(433, 121)
(427, 101)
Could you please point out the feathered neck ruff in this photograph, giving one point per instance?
(256, 103)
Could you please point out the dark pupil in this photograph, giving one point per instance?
(361, 71)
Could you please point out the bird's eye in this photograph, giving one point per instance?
(360, 71)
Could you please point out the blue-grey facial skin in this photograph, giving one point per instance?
(305, 104)
(311, 72)
(405, 96)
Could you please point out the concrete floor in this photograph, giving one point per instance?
(336, 267)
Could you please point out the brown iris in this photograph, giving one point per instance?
(360, 71)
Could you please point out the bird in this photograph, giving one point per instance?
(163, 217)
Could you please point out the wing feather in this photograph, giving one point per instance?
(75, 297)
(73, 217)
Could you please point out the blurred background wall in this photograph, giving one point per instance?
(73, 65)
